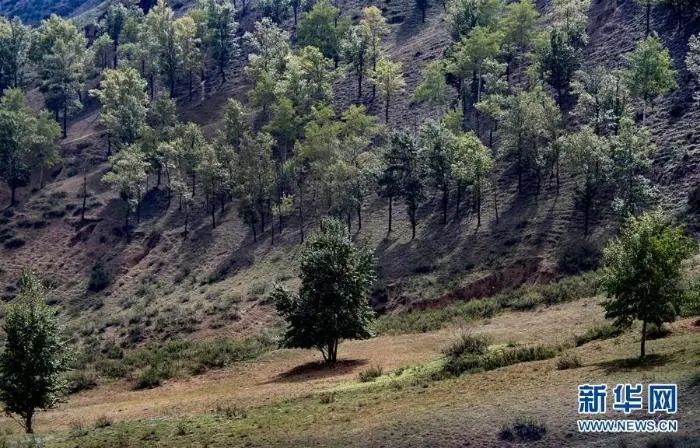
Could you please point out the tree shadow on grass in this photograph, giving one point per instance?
(633, 364)
(318, 369)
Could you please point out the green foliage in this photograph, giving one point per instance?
(15, 42)
(632, 151)
(60, 50)
(127, 176)
(602, 99)
(597, 333)
(465, 15)
(219, 32)
(642, 272)
(333, 299)
(651, 72)
(124, 101)
(433, 89)
(324, 29)
(467, 344)
(501, 357)
(35, 354)
(27, 140)
(472, 165)
(387, 77)
(403, 173)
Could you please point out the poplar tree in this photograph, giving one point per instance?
(15, 43)
(35, 354)
(127, 177)
(388, 79)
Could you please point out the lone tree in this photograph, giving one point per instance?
(650, 73)
(642, 272)
(333, 300)
(35, 354)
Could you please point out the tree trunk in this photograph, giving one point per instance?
(359, 218)
(648, 17)
(28, 422)
(386, 110)
(213, 214)
(187, 218)
(82, 211)
(65, 118)
(445, 200)
(255, 234)
(391, 200)
(478, 207)
(301, 213)
(495, 202)
(349, 219)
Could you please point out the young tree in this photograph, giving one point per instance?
(650, 73)
(127, 177)
(15, 42)
(472, 165)
(35, 354)
(160, 29)
(256, 173)
(602, 99)
(277, 10)
(220, 33)
(518, 26)
(422, 6)
(403, 175)
(237, 123)
(285, 126)
(212, 178)
(44, 152)
(632, 151)
(322, 28)
(60, 50)
(465, 15)
(190, 49)
(355, 51)
(16, 129)
(333, 300)
(647, 4)
(559, 60)
(438, 145)
(388, 79)
(433, 89)
(642, 273)
(113, 22)
(122, 94)
(190, 142)
(374, 27)
(692, 60)
(307, 80)
(588, 155)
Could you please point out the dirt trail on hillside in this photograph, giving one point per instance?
(286, 374)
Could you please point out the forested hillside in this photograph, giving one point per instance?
(179, 177)
(459, 146)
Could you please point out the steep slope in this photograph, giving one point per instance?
(215, 281)
(32, 11)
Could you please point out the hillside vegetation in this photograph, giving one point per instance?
(166, 174)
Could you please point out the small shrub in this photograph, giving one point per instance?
(657, 331)
(567, 361)
(370, 374)
(79, 380)
(151, 377)
(231, 411)
(181, 428)
(103, 421)
(597, 333)
(527, 301)
(327, 397)
(523, 429)
(100, 277)
(467, 344)
(580, 255)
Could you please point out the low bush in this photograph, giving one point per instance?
(103, 421)
(79, 380)
(503, 357)
(523, 429)
(657, 331)
(231, 411)
(527, 301)
(467, 344)
(567, 361)
(597, 333)
(370, 374)
(100, 277)
(151, 377)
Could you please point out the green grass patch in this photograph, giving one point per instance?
(524, 298)
(501, 357)
(598, 333)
